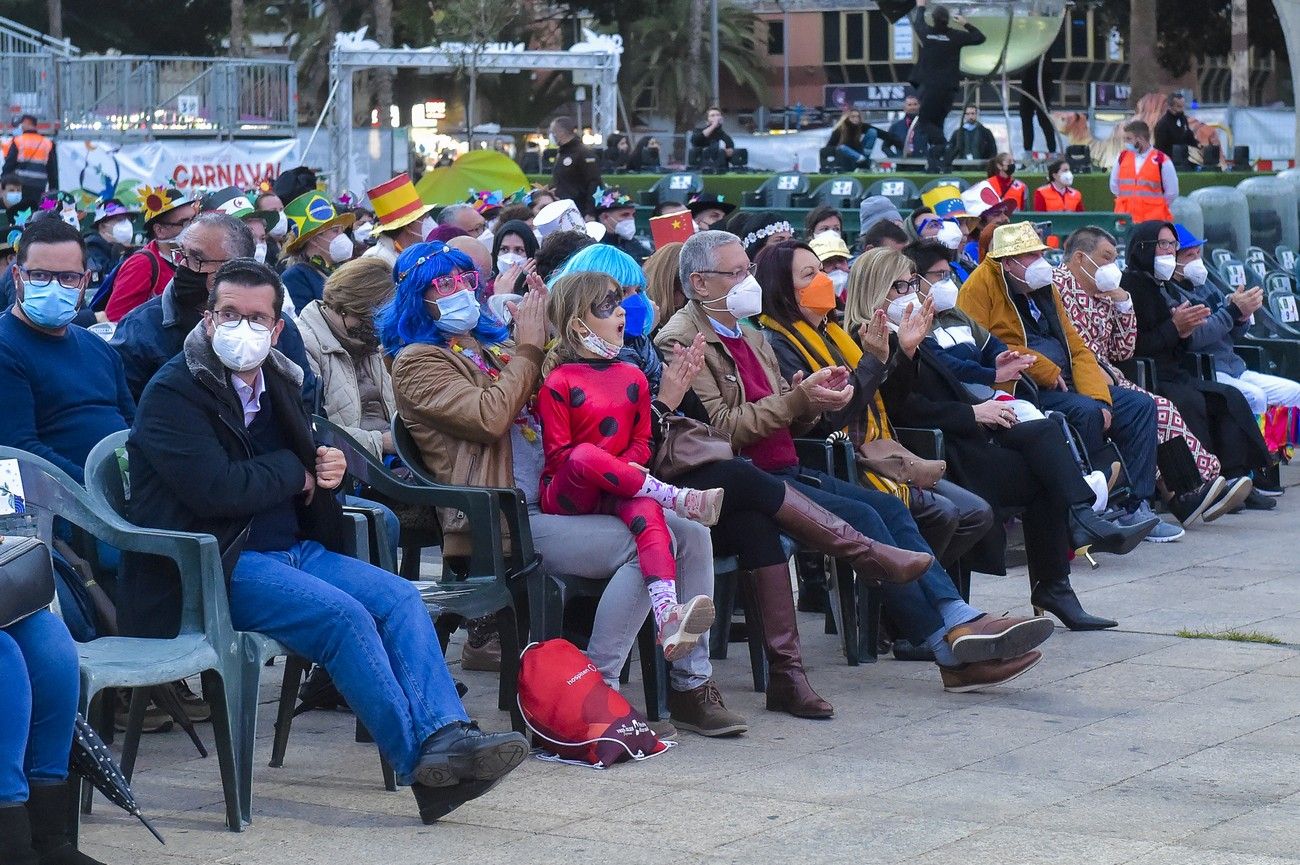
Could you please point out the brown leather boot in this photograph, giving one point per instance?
(811, 524)
(787, 686)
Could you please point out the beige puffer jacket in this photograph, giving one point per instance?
(340, 393)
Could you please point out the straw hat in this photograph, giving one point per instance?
(309, 214)
(396, 203)
(1015, 238)
(829, 244)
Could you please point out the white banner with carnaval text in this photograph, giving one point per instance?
(197, 165)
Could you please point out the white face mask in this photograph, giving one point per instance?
(899, 305)
(1196, 272)
(839, 279)
(458, 313)
(598, 346)
(281, 227)
(625, 228)
(340, 248)
(1038, 275)
(485, 237)
(12, 198)
(259, 251)
(122, 231)
(361, 233)
(950, 235)
(1106, 276)
(240, 346)
(427, 225)
(744, 300)
(1165, 266)
(1065, 178)
(944, 295)
(507, 260)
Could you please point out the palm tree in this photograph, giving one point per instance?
(384, 36)
(54, 11)
(1239, 56)
(236, 28)
(1144, 67)
(665, 55)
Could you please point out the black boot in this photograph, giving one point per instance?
(1059, 599)
(16, 836)
(51, 809)
(1089, 530)
(435, 803)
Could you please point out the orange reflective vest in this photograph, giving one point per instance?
(33, 156)
(1142, 193)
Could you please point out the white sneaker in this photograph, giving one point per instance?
(701, 506)
(684, 625)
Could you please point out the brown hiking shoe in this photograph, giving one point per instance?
(987, 674)
(701, 711)
(991, 638)
(485, 658)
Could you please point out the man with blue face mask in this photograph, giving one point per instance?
(62, 388)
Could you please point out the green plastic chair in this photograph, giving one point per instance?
(206, 643)
(495, 581)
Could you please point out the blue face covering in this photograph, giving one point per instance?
(640, 314)
(969, 127)
(51, 305)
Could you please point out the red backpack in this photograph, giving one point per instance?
(574, 716)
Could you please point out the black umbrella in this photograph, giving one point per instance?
(92, 760)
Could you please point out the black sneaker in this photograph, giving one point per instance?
(1257, 502)
(1268, 483)
(462, 752)
(1190, 505)
(1235, 493)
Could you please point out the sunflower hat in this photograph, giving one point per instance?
(157, 200)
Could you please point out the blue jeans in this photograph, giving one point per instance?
(852, 153)
(1132, 428)
(392, 526)
(39, 684)
(884, 518)
(367, 627)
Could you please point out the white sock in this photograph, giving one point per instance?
(663, 596)
(653, 488)
(1097, 482)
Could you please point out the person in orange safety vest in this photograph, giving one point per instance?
(1143, 180)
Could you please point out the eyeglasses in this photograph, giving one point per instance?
(905, 286)
(736, 275)
(257, 321)
(183, 223)
(42, 278)
(445, 286)
(933, 276)
(196, 261)
(606, 306)
(1167, 246)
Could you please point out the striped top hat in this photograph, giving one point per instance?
(309, 214)
(396, 203)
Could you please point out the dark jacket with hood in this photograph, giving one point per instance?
(153, 333)
(938, 66)
(193, 469)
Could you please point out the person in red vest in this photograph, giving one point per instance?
(31, 158)
(1058, 194)
(1143, 180)
(1000, 171)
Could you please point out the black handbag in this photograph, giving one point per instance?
(26, 579)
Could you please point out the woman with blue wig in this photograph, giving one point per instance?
(638, 349)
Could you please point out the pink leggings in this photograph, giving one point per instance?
(592, 481)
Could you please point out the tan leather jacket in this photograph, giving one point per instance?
(461, 419)
(718, 386)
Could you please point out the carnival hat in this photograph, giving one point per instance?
(945, 201)
(111, 207)
(563, 215)
(828, 245)
(983, 200)
(396, 203)
(1015, 238)
(611, 198)
(309, 214)
(703, 201)
(233, 201)
(157, 200)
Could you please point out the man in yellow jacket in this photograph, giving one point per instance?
(1011, 294)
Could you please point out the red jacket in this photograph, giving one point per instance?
(604, 403)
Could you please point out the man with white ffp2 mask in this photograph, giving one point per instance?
(615, 211)
(1011, 294)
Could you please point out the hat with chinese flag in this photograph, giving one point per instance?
(309, 214)
(671, 227)
(396, 203)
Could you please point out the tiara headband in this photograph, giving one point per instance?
(421, 260)
(765, 232)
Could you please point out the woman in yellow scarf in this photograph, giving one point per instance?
(798, 305)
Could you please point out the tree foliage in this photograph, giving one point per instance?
(1190, 31)
(133, 26)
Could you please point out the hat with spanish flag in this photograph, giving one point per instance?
(396, 203)
(309, 214)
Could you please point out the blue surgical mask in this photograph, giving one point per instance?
(51, 305)
(969, 126)
(457, 313)
(640, 314)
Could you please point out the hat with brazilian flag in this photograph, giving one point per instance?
(396, 203)
(309, 214)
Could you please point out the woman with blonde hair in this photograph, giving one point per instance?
(1012, 465)
(663, 283)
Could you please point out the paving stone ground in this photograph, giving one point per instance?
(1128, 746)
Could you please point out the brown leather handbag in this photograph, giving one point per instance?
(688, 444)
(889, 459)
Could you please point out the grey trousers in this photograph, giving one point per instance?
(598, 547)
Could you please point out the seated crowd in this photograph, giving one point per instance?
(521, 352)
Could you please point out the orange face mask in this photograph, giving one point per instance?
(818, 296)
